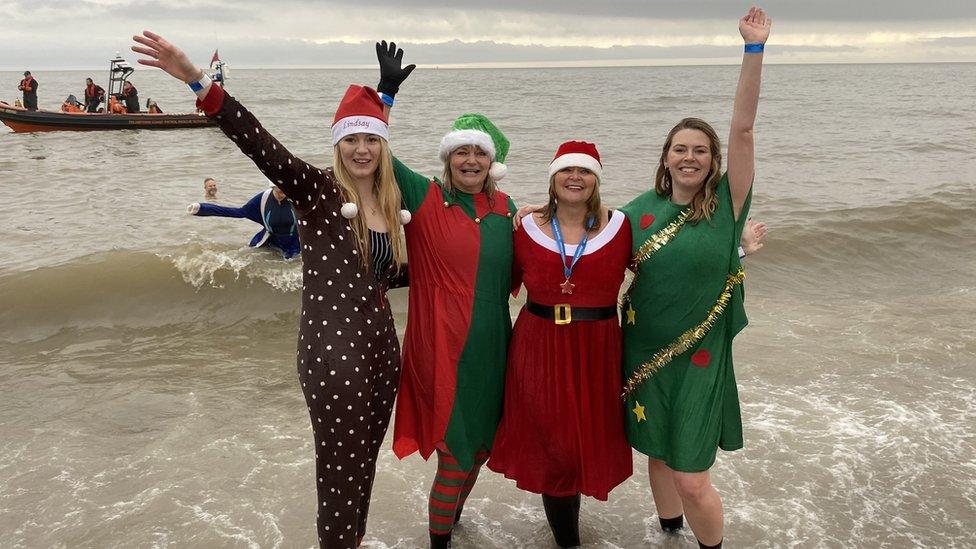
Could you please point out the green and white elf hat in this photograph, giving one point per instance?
(476, 129)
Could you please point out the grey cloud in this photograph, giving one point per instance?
(141, 10)
(794, 10)
(199, 11)
(954, 41)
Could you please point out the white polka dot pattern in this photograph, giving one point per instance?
(352, 391)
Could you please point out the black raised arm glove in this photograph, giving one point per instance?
(392, 71)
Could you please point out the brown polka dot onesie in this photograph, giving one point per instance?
(348, 353)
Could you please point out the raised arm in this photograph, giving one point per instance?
(251, 210)
(754, 28)
(413, 186)
(301, 182)
(392, 71)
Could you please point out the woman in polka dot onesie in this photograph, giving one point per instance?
(348, 224)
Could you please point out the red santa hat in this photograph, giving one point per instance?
(360, 111)
(579, 154)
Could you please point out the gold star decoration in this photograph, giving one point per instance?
(631, 315)
(639, 412)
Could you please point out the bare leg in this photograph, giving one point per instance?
(665, 494)
(702, 505)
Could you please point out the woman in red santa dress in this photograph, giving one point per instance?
(562, 430)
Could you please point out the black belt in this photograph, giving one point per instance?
(564, 314)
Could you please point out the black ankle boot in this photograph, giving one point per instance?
(563, 516)
(672, 525)
(440, 541)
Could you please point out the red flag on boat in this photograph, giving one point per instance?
(214, 59)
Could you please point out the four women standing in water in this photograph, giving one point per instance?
(679, 316)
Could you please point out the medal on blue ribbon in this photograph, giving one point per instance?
(567, 286)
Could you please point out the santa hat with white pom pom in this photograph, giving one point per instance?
(476, 129)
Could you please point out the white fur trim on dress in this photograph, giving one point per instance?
(459, 138)
(359, 124)
(578, 160)
(601, 239)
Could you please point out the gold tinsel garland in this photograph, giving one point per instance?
(660, 239)
(654, 243)
(686, 340)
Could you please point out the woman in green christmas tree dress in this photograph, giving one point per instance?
(686, 304)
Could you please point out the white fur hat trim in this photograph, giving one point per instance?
(459, 138)
(359, 124)
(578, 160)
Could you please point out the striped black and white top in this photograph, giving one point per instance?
(380, 251)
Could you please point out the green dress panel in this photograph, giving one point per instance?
(688, 407)
(458, 320)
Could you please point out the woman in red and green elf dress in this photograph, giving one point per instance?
(686, 305)
(459, 244)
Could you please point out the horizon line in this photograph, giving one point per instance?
(583, 64)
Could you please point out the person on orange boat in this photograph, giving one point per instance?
(71, 105)
(210, 189)
(685, 304)
(348, 221)
(115, 106)
(562, 428)
(94, 95)
(130, 96)
(29, 86)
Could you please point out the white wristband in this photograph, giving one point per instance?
(742, 252)
(201, 86)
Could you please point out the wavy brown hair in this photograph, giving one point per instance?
(388, 199)
(704, 202)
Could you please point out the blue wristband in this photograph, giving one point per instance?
(754, 48)
(386, 99)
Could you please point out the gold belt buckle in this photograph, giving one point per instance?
(563, 313)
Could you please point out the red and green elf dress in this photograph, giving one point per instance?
(679, 318)
(458, 323)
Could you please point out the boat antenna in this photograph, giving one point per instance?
(118, 72)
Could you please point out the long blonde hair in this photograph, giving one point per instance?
(705, 201)
(388, 199)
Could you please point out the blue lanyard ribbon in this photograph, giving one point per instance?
(568, 269)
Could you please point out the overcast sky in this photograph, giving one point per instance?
(53, 34)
